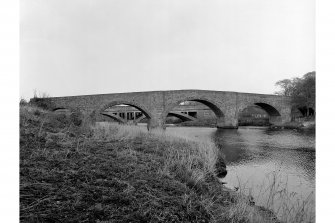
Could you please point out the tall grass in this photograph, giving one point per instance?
(198, 158)
(106, 131)
(274, 194)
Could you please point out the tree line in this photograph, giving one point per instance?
(302, 92)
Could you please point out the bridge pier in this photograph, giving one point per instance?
(223, 123)
(275, 120)
(155, 123)
(285, 117)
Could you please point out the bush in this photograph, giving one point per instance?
(76, 118)
(23, 102)
(44, 103)
(42, 100)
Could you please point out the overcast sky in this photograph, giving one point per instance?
(74, 47)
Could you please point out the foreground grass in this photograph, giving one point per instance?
(75, 171)
(274, 194)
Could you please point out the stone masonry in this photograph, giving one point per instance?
(156, 105)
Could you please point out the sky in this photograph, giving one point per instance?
(80, 47)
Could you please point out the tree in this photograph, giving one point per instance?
(302, 91)
(286, 86)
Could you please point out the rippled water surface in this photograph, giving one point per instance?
(259, 159)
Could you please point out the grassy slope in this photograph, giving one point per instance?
(71, 172)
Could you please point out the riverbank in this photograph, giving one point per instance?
(72, 170)
(303, 125)
(198, 123)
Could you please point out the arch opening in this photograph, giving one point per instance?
(259, 114)
(306, 112)
(124, 113)
(253, 116)
(272, 111)
(184, 116)
(193, 111)
(303, 114)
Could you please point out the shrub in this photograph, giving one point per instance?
(76, 118)
(23, 102)
(44, 103)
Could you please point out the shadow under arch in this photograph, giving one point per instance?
(306, 111)
(273, 113)
(209, 103)
(132, 104)
(271, 110)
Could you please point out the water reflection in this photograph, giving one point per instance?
(289, 150)
(231, 144)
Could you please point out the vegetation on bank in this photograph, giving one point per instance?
(209, 122)
(302, 92)
(72, 170)
(295, 125)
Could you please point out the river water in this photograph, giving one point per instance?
(261, 161)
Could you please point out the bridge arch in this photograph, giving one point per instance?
(306, 111)
(208, 102)
(142, 108)
(298, 113)
(272, 111)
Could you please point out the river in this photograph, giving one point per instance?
(260, 160)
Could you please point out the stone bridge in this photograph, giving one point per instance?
(156, 105)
